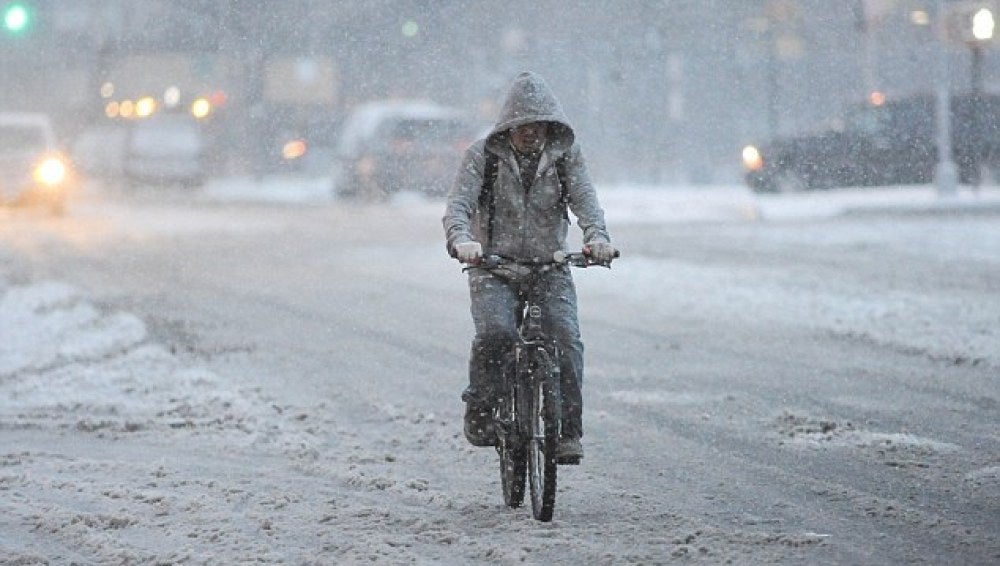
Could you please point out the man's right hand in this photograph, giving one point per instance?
(469, 252)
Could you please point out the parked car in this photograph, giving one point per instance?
(890, 143)
(32, 169)
(166, 149)
(386, 147)
(98, 150)
(303, 147)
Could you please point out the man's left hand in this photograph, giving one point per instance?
(601, 252)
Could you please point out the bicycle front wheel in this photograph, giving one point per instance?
(513, 457)
(542, 445)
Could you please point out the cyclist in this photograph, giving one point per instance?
(510, 198)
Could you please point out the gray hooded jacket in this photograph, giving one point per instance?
(529, 223)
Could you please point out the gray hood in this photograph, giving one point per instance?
(530, 99)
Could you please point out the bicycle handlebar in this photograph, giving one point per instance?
(575, 259)
(580, 259)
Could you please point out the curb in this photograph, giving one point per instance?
(966, 208)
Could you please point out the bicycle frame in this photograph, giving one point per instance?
(536, 356)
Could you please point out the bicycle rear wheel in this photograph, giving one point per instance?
(513, 457)
(544, 440)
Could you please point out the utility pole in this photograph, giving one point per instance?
(946, 174)
(866, 23)
(772, 83)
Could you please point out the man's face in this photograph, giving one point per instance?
(529, 138)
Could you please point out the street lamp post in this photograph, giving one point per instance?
(982, 33)
(976, 73)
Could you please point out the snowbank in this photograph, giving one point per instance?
(65, 363)
(639, 204)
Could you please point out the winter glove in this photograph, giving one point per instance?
(468, 252)
(601, 252)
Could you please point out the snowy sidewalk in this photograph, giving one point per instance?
(647, 205)
(639, 204)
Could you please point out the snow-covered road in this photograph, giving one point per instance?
(258, 375)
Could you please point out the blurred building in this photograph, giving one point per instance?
(660, 90)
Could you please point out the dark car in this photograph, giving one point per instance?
(391, 146)
(890, 143)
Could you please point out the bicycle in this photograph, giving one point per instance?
(528, 412)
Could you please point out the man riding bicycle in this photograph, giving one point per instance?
(510, 198)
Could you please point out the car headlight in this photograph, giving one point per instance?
(752, 159)
(50, 171)
(293, 149)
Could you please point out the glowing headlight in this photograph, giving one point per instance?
(50, 172)
(752, 158)
(201, 108)
(293, 149)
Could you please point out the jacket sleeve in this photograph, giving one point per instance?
(463, 198)
(583, 198)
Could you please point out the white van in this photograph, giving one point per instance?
(32, 170)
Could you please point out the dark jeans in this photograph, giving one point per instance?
(494, 312)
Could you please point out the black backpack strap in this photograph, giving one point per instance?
(487, 196)
(561, 171)
(563, 190)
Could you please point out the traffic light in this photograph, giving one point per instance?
(16, 18)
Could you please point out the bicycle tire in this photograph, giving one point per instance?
(543, 442)
(513, 457)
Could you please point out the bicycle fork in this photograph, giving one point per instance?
(540, 374)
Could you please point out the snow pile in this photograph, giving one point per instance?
(654, 205)
(816, 433)
(916, 199)
(48, 324)
(66, 364)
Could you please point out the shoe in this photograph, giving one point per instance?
(569, 451)
(479, 428)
